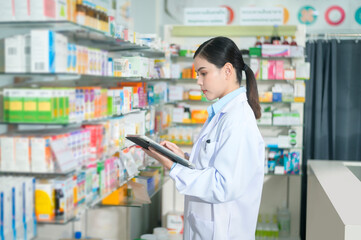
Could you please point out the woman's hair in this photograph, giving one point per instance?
(219, 51)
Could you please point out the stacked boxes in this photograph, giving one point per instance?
(17, 212)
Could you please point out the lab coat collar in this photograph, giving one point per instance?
(237, 100)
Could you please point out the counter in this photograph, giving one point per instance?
(333, 200)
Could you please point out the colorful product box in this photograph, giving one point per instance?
(41, 158)
(30, 105)
(16, 105)
(271, 69)
(279, 69)
(264, 69)
(45, 105)
(270, 50)
(44, 200)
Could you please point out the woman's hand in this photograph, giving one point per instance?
(166, 162)
(173, 147)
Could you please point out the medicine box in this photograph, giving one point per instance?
(44, 200)
(45, 105)
(41, 158)
(16, 105)
(30, 101)
(43, 51)
(43, 9)
(22, 154)
(269, 50)
(7, 154)
(255, 65)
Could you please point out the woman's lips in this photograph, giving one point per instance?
(204, 91)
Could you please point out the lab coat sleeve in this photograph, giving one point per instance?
(238, 162)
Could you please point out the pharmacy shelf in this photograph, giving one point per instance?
(280, 80)
(139, 204)
(231, 31)
(74, 124)
(275, 125)
(57, 221)
(288, 102)
(39, 174)
(35, 80)
(195, 102)
(285, 148)
(285, 174)
(79, 34)
(187, 124)
(247, 57)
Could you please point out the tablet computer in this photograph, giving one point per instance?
(146, 142)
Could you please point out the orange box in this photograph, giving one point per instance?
(199, 116)
(116, 197)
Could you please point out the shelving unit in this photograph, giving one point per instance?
(93, 38)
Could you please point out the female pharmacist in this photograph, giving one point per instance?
(223, 193)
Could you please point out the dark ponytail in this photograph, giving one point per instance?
(219, 51)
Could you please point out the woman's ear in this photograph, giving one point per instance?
(228, 69)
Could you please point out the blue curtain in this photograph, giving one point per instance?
(333, 106)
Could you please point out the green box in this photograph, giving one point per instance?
(30, 101)
(16, 105)
(6, 104)
(45, 105)
(110, 100)
(255, 51)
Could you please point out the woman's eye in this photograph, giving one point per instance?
(203, 74)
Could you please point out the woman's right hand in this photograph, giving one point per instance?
(173, 147)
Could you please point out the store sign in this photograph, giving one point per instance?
(205, 16)
(261, 16)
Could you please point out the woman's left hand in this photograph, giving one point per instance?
(166, 162)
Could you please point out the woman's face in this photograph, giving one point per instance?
(210, 78)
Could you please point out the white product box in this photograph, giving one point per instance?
(43, 9)
(17, 54)
(256, 67)
(175, 223)
(7, 11)
(22, 10)
(6, 207)
(7, 146)
(42, 51)
(29, 195)
(61, 51)
(297, 51)
(175, 93)
(41, 160)
(299, 89)
(303, 70)
(266, 118)
(22, 154)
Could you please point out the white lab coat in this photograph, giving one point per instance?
(223, 193)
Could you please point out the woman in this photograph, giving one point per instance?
(223, 193)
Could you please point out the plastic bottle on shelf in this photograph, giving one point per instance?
(258, 42)
(266, 40)
(293, 42)
(284, 221)
(275, 38)
(285, 42)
